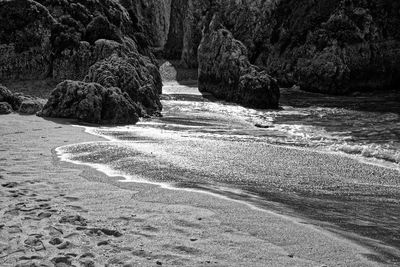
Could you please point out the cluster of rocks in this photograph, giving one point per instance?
(101, 45)
(24, 104)
(333, 47)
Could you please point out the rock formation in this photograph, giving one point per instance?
(131, 75)
(91, 102)
(335, 46)
(5, 108)
(21, 103)
(225, 71)
(324, 46)
(64, 39)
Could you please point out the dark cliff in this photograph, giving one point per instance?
(325, 46)
(64, 39)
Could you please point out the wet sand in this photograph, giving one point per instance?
(53, 212)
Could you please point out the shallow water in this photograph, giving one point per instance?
(223, 148)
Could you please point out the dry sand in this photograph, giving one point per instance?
(56, 213)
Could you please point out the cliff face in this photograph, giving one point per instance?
(63, 39)
(57, 38)
(226, 72)
(153, 17)
(334, 46)
(325, 46)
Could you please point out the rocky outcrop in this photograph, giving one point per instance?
(225, 71)
(65, 39)
(91, 102)
(58, 38)
(185, 31)
(21, 103)
(335, 47)
(132, 76)
(153, 17)
(5, 108)
(332, 47)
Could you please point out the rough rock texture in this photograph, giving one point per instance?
(65, 38)
(58, 38)
(133, 77)
(336, 47)
(5, 94)
(153, 16)
(25, 30)
(30, 105)
(225, 71)
(185, 30)
(24, 104)
(91, 102)
(5, 108)
(325, 46)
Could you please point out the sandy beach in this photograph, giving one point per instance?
(56, 213)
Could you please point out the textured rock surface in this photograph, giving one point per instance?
(5, 108)
(153, 16)
(30, 105)
(64, 39)
(225, 71)
(325, 46)
(132, 76)
(185, 30)
(90, 102)
(19, 102)
(58, 38)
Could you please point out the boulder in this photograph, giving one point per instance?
(31, 106)
(24, 104)
(5, 108)
(225, 71)
(134, 75)
(5, 94)
(90, 102)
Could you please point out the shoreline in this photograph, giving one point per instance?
(166, 223)
(386, 252)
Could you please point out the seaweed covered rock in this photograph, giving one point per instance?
(91, 102)
(133, 75)
(225, 71)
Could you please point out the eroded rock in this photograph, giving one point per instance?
(225, 71)
(91, 102)
(5, 108)
(134, 75)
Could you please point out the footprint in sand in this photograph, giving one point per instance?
(10, 185)
(34, 243)
(99, 231)
(74, 220)
(55, 241)
(71, 198)
(65, 245)
(77, 208)
(67, 260)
